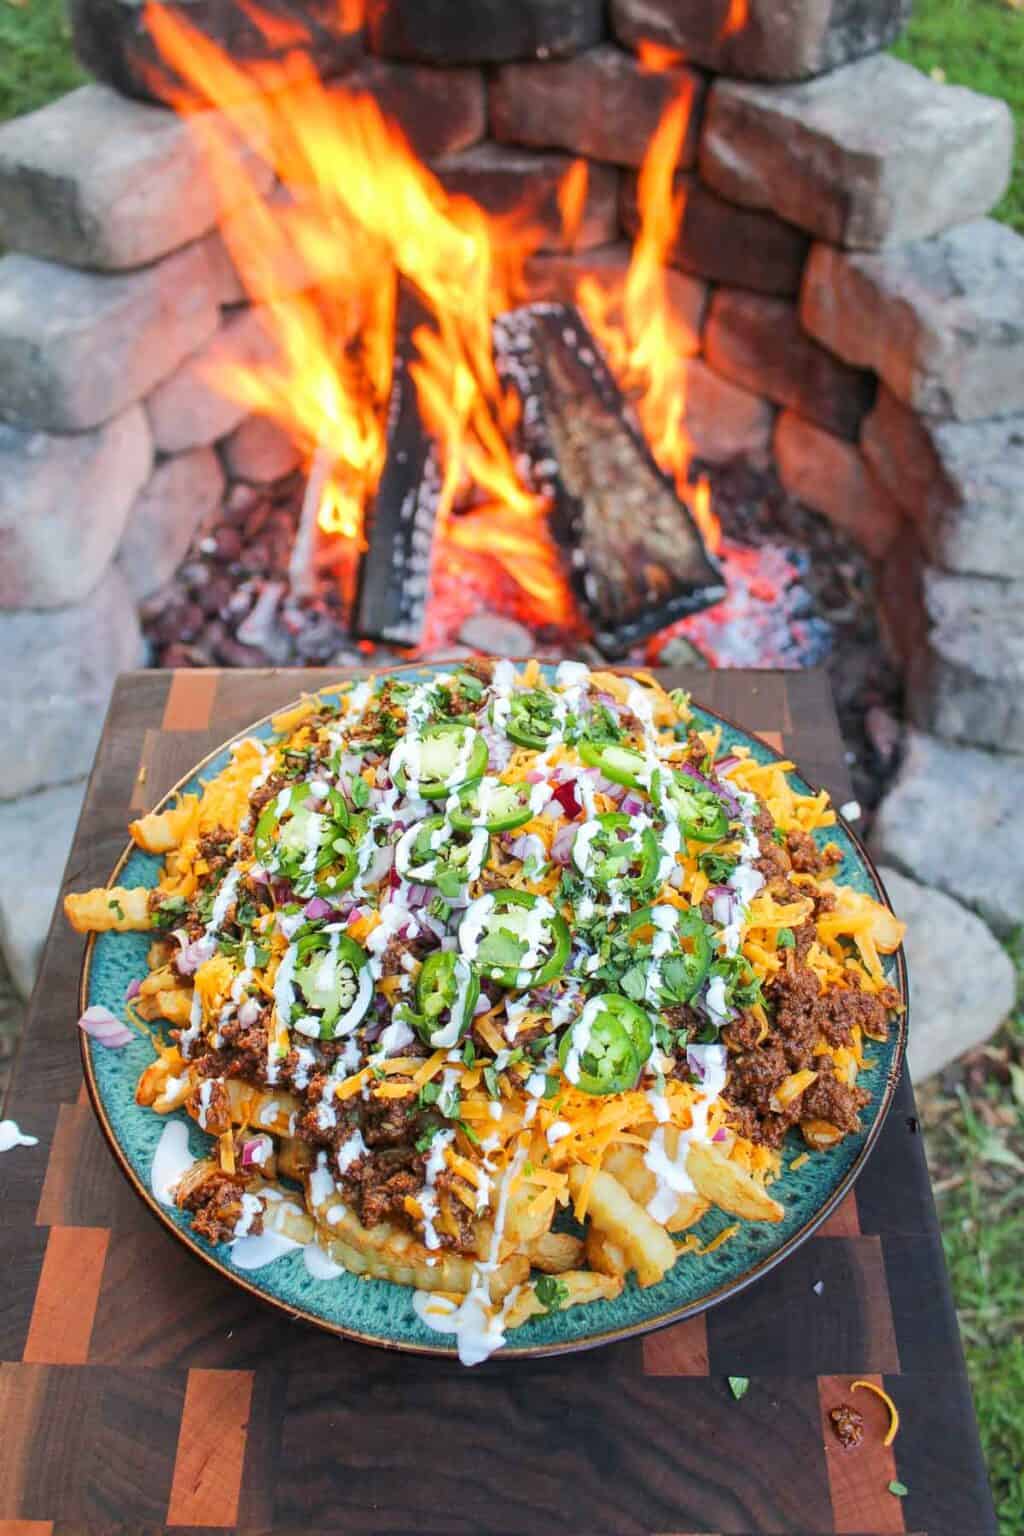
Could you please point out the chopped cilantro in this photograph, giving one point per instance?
(117, 909)
(900, 1490)
(469, 1053)
(491, 1080)
(779, 836)
(429, 1094)
(426, 1141)
(680, 702)
(551, 1087)
(717, 866)
(551, 1292)
(468, 1131)
(359, 791)
(440, 909)
(738, 1386)
(784, 939)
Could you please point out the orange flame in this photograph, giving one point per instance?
(356, 215)
(734, 21)
(656, 58)
(635, 322)
(572, 200)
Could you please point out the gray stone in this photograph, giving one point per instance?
(35, 835)
(503, 180)
(601, 104)
(95, 180)
(757, 341)
(966, 680)
(59, 669)
(962, 981)
(962, 482)
(77, 348)
(763, 39)
(873, 154)
(64, 502)
(831, 476)
(227, 285)
(180, 495)
(440, 111)
(495, 636)
(726, 244)
(259, 451)
(114, 41)
(557, 277)
(190, 410)
(942, 321)
(722, 420)
(486, 32)
(952, 820)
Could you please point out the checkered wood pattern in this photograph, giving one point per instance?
(140, 1392)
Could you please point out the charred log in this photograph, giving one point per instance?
(636, 557)
(394, 576)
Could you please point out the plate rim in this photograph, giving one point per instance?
(682, 1313)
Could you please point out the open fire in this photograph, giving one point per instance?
(376, 284)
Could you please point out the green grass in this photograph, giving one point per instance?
(973, 1120)
(36, 61)
(979, 43)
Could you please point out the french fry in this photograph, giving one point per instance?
(820, 1134)
(604, 1256)
(165, 1084)
(107, 909)
(162, 831)
(627, 1165)
(555, 1252)
(725, 1184)
(294, 1158)
(648, 1247)
(582, 1286)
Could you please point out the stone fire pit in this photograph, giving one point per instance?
(854, 325)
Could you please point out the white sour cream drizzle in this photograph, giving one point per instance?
(171, 1161)
(670, 1172)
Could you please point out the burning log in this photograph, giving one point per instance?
(394, 576)
(636, 557)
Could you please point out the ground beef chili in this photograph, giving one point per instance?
(847, 1425)
(216, 1203)
(261, 798)
(838, 1103)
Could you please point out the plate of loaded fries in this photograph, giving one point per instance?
(498, 1008)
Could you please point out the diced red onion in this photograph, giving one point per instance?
(561, 847)
(257, 875)
(105, 1028)
(499, 748)
(449, 943)
(483, 1004)
(316, 907)
(432, 924)
(534, 776)
(553, 811)
(528, 846)
(418, 896)
(631, 805)
(255, 1151)
(132, 990)
(282, 892)
(721, 1134)
(189, 959)
(725, 763)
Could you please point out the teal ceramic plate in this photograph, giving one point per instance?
(378, 1312)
